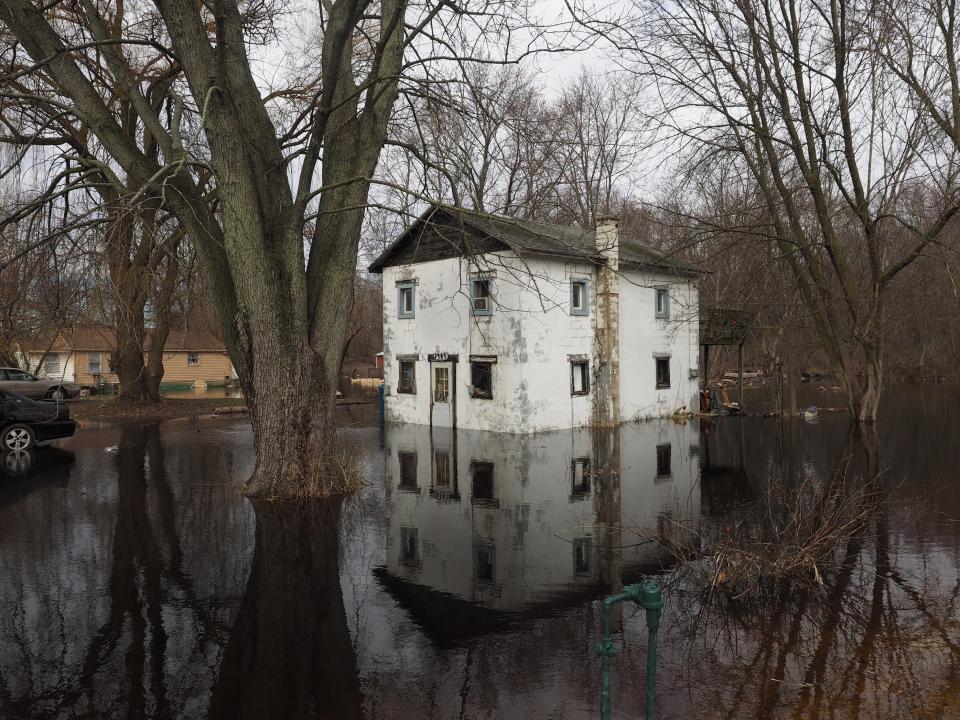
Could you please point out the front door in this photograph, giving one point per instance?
(442, 389)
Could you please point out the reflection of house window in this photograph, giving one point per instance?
(443, 483)
(409, 546)
(483, 488)
(663, 460)
(484, 558)
(441, 468)
(581, 555)
(408, 470)
(580, 474)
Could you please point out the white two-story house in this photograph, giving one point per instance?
(498, 324)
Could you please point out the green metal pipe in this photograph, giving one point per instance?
(647, 595)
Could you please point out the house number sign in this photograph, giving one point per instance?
(441, 357)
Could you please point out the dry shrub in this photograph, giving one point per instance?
(792, 536)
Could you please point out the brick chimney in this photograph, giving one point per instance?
(606, 344)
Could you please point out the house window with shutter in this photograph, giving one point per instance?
(406, 306)
(663, 371)
(579, 377)
(407, 384)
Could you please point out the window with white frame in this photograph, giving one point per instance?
(662, 298)
(193, 358)
(579, 297)
(95, 363)
(51, 364)
(406, 305)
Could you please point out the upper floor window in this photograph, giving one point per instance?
(662, 303)
(407, 383)
(405, 300)
(193, 358)
(480, 296)
(663, 372)
(579, 297)
(51, 364)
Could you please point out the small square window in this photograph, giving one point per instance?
(580, 475)
(579, 298)
(405, 301)
(51, 364)
(193, 358)
(408, 470)
(480, 296)
(407, 384)
(662, 303)
(579, 377)
(481, 379)
(663, 460)
(663, 372)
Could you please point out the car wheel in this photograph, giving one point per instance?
(17, 437)
(84, 392)
(57, 394)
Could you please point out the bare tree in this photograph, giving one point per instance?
(283, 304)
(793, 103)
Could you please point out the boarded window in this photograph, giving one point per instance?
(481, 378)
(480, 296)
(51, 364)
(663, 460)
(408, 470)
(405, 301)
(193, 358)
(579, 377)
(579, 298)
(407, 384)
(95, 363)
(662, 303)
(663, 372)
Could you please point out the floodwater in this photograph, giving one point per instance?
(463, 582)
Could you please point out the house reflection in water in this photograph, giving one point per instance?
(485, 525)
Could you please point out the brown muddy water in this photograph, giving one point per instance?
(463, 582)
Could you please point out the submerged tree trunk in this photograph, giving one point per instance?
(290, 653)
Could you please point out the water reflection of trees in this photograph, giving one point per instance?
(873, 642)
(129, 608)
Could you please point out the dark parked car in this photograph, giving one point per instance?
(29, 385)
(25, 422)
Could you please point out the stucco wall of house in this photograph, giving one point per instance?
(643, 336)
(533, 334)
(530, 331)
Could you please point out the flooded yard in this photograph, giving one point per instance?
(464, 581)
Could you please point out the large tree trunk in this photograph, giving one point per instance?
(290, 654)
